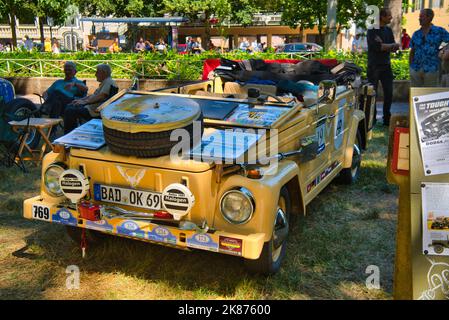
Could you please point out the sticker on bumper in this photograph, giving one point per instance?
(101, 225)
(161, 234)
(202, 241)
(231, 245)
(64, 216)
(130, 228)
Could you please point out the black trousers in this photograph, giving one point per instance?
(55, 104)
(384, 74)
(72, 115)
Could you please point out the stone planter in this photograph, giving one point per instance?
(39, 85)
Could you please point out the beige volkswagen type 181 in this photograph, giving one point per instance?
(261, 160)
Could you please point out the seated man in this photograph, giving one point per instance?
(86, 108)
(62, 92)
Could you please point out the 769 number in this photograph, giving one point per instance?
(41, 213)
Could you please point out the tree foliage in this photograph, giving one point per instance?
(120, 8)
(312, 13)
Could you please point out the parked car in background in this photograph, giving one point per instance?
(299, 47)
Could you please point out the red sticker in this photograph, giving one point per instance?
(231, 245)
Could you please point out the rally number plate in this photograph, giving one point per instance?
(129, 197)
(41, 212)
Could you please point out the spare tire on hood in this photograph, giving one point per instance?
(141, 125)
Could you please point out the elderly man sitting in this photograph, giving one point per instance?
(62, 92)
(86, 108)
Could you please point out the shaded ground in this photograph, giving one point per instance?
(347, 229)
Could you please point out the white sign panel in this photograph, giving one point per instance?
(432, 122)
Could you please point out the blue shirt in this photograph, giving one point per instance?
(73, 92)
(426, 49)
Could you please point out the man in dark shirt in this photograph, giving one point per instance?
(380, 43)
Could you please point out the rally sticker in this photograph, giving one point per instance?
(231, 245)
(202, 241)
(101, 225)
(161, 234)
(339, 125)
(177, 200)
(321, 135)
(41, 212)
(322, 176)
(130, 228)
(64, 216)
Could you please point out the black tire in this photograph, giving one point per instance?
(271, 258)
(350, 175)
(21, 108)
(145, 144)
(93, 237)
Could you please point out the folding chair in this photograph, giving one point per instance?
(10, 141)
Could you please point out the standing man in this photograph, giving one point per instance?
(424, 62)
(380, 44)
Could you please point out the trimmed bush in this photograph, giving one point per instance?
(159, 66)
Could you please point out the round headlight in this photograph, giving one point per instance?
(51, 179)
(237, 206)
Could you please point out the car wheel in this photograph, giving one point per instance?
(350, 175)
(21, 108)
(273, 251)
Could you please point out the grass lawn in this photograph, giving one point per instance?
(347, 229)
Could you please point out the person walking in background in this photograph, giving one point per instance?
(405, 40)
(244, 45)
(424, 48)
(140, 46)
(149, 47)
(161, 47)
(55, 46)
(93, 44)
(380, 44)
(28, 43)
(444, 56)
(47, 45)
(114, 47)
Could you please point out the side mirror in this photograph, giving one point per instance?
(327, 91)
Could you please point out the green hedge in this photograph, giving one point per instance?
(154, 65)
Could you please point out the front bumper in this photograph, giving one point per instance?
(246, 246)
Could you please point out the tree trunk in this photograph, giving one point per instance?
(207, 29)
(396, 11)
(41, 30)
(13, 28)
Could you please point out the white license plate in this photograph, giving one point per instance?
(129, 197)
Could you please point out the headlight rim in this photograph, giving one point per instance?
(248, 195)
(60, 165)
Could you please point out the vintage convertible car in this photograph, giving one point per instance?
(215, 165)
